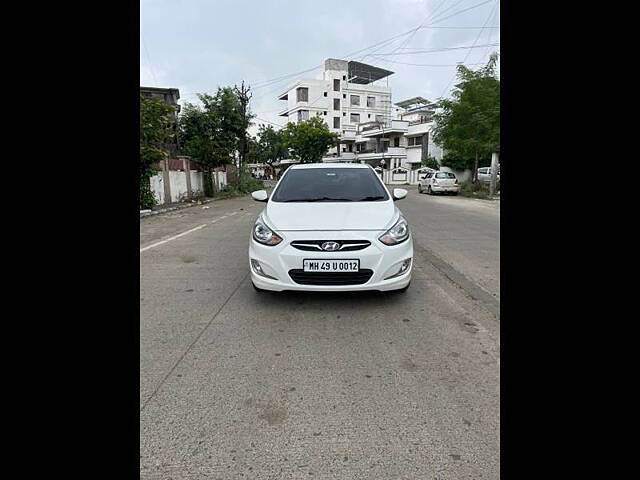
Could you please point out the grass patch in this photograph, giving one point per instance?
(248, 186)
(474, 190)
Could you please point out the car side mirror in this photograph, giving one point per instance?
(260, 195)
(399, 193)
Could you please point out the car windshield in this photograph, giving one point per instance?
(445, 175)
(330, 185)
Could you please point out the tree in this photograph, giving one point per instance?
(431, 162)
(468, 126)
(308, 141)
(156, 131)
(271, 146)
(211, 133)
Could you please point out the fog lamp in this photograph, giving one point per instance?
(404, 266)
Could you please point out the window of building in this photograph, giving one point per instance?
(379, 118)
(303, 115)
(355, 100)
(336, 84)
(325, 94)
(325, 113)
(371, 102)
(336, 104)
(415, 141)
(396, 141)
(344, 77)
(344, 95)
(355, 118)
(336, 122)
(368, 115)
(344, 114)
(302, 94)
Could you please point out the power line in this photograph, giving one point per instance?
(435, 50)
(429, 16)
(272, 123)
(472, 47)
(144, 47)
(387, 41)
(430, 64)
(464, 10)
(490, 34)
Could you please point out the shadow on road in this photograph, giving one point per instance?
(368, 299)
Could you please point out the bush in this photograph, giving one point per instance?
(250, 184)
(147, 198)
(474, 190)
(431, 162)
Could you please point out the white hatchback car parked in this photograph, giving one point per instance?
(330, 227)
(439, 182)
(484, 174)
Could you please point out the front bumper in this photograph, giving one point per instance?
(383, 260)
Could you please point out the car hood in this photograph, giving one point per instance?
(330, 215)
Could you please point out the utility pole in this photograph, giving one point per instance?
(244, 96)
(494, 172)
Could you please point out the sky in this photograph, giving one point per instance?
(199, 45)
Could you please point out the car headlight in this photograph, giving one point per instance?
(396, 234)
(264, 235)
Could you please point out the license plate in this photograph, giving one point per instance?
(342, 265)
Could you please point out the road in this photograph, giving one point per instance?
(237, 384)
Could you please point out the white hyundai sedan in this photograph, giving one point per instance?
(330, 227)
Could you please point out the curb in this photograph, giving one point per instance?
(149, 213)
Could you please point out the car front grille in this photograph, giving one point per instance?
(316, 245)
(330, 278)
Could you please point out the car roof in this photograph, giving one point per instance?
(329, 165)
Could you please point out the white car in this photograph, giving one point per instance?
(330, 227)
(439, 182)
(484, 174)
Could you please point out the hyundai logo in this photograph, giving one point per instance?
(330, 246)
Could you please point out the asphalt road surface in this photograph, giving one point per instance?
(239, 384)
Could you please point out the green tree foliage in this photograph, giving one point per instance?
(431, 162)
(156, 131)
(308, 141)
(271, 146)
(211, 133)
(468, 126)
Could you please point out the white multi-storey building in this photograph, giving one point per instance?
(354, 100)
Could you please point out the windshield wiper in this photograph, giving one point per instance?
(370, 199)
(320, 199)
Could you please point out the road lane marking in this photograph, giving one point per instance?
(153, 245)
